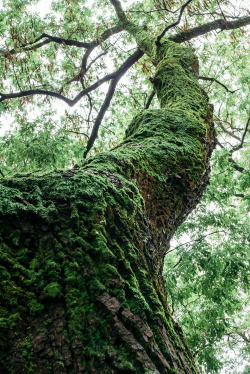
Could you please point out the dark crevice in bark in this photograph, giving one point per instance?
(83, 250)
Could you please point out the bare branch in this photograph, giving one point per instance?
(34, 92)
(122, 69)
(78, 133)
(224, 129)
(221, 10)
(235, 165)
(236, 148)
(69, 42)
(195, 240)
(215, 80)
(105, 35)
(178, 262)
(95, 59)
(231, 160)
(151, 11)
(210, 26)
(151, 96)
(100, 115)
(172, 24)
(120, 72)
(33, 46)
(88, 45)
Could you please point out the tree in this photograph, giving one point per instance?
(83, 249)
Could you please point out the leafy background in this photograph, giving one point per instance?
(206, 269)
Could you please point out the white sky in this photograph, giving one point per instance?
(43, 7)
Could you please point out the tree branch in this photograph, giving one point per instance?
(178, 262)
(221, 10)
(122, 69)
(236, 148)
(78, 133)
(151, 96)
(172, 24)
(88, 45)
(224, 129)
(105, 35)
(195, 240)
(120, 72)
(100, 116)
(69, 42)
(119, 11)
(49, 39)
(231, 160)
(35, 92)
(215, 80)
(235, 165)
(152, 11)
(210, 26)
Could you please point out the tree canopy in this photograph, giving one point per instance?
(71, 80)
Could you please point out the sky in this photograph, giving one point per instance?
(43, 7)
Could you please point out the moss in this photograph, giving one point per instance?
(77, 234)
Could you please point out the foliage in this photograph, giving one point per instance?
(207, 275)
(206, 278)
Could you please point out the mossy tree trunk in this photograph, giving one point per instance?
(82, 250)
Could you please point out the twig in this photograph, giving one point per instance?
(49, 39)
(178, 262)
(224, 129)
(71, 102)
(221, 10)
(95, 59)
(236, 148)
(210, 26)
(77, 132)
(235, 165)
(195, 240)
(172, 24)
(151, 11)
(215, 80)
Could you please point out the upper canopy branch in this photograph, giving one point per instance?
(119, 11)
(50, 38)
(239, 146)
(210, 26)
(120, 72)
(122, 69)
(216, 80)
(173, 24)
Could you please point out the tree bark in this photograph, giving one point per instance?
(82, 251)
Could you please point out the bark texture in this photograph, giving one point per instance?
(82, 251)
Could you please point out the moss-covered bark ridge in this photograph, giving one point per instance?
(82, 250)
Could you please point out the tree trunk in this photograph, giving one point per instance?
(83, 250)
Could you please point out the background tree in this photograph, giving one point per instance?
(30, 68)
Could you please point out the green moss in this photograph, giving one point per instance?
(104, 228)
